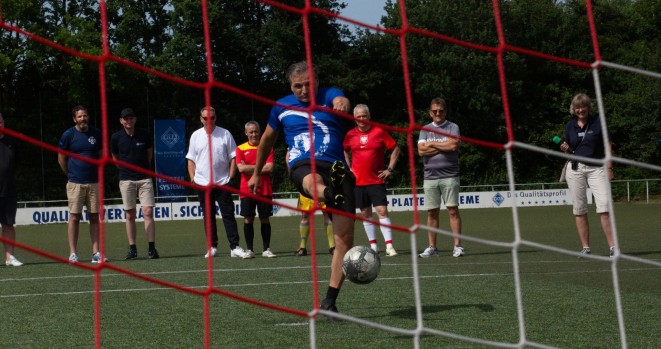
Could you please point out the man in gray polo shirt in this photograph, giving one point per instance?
(438, 144)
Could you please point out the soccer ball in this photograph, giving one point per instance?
(361, 265)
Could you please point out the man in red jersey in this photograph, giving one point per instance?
(364, 149)
(246, 155)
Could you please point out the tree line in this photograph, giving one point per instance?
(252, 44)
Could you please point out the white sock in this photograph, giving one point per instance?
(370, 230)
(386, 231)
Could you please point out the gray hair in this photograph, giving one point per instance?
(580, 100)
(361, 106)
(300, 68)
(251, 122)
(209, 108)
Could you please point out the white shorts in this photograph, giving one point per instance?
(578, 181)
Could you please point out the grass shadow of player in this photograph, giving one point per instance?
(409, 313)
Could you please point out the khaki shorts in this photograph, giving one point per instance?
(578, 182)
(80, 195)
(441, 190)
(131, 190)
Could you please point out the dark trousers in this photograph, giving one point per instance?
(224, 200)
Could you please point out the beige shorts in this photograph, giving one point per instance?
(131, 190)
(578, 182)
(441, 190)
(80, 195)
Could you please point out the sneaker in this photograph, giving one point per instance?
(73, 258)
(268, 253)
(337, 173)
(390, 252)
(153, 254)
(429, 252)
(132, 254)
(329, 305)
(375, 248)
(213, 252)
(238, 252)
(458, 251)
(611, 252)
(331, 251)
(96, 258)
(248, 254)
(13, 262)
(303, 252)
(584, 252)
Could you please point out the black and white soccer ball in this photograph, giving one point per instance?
(361, 265)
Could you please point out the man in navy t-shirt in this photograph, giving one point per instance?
(134, 146)
(83, 182)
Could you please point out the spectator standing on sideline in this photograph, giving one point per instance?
(331, 182)
(8, 195)
(134, 146)
(83, 180)
(438, 145)
(246, 154)
(584, 137)
(304, 227)
(364, 149)
(223, 151)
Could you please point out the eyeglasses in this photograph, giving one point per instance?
(437, 111)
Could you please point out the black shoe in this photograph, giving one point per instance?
(301, 252)
(331, 250)
(153, 254)
(329, 305)
(132, 254)
(337, 174)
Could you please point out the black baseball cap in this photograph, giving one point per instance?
(127, 112)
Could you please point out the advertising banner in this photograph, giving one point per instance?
(170, 158)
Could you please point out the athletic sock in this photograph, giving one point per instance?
(389, 244)
(329, 234)
(133, 247)
(370, 230)
(385, 230)
(266, 235)
(304, 231)
(152, 245)
(332, 293)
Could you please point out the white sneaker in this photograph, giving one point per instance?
(238, 252)
(73, 258)
(268, 253)
(429, 252)
(458, 251)
(13, 262)
(211, 253)
(375, 248)
(96, 258)
(390, 252)
(249, 254)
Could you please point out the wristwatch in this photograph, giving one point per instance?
(390, 169)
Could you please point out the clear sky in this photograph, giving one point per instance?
(366, 11)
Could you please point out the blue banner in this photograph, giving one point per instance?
(170, 158)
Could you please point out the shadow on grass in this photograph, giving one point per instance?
(409, 313)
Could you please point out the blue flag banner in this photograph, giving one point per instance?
(170, 158)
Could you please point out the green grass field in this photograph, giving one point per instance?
(567, 302)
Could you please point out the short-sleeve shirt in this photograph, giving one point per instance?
(86, 144)
(327, 128)
(8, 156)
(224, 150)
(367, 153)
(592, 145)
(248, 154)
(442, 164)
(133, 150)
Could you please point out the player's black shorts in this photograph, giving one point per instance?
(8, 211)
(248, 207)
(371, 195)
(303, 168)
